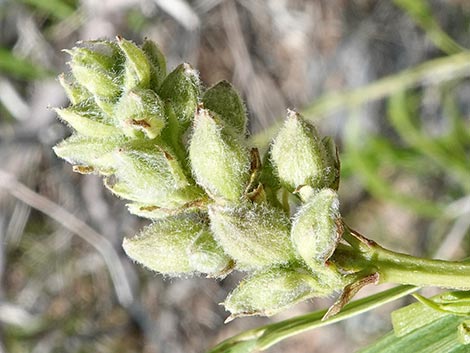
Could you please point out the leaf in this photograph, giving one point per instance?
(440, 335)
(420, 328)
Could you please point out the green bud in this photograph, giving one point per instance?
(150, 174)
(87, 120)
(182, 88)
(164, 245)
(96, 69)
(219, 161)
(137, 66)
(141, 110)
(316, 229)
(173, 134)
(94, 153)
(269, 292)
(206, 256)
(224, 100)
(300, 157)
(254, 235)
(75, 93)
(157, 63)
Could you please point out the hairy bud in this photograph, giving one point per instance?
(182, 89)
(254, 235)
(220, 162)
(165, 245)
(223, 100)
(157, 63)
(316, 229)
(206, 256)
(96, 68)
(150, 174)
(75, 92)
(300, 157)
(141, 110)
(136, 67)
(269, 292)
(94, 153)
(88, 120)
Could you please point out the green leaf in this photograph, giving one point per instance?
(424, 328)
(440, 335)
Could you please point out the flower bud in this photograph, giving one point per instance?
(316, 229)
(206, 256)
(271, 291)
(163, 246)
(141, 110)
(254, 235)
(150, 174)
(75, 92)
(182, 88)
(219, 161)
(300, 157)
(157, 63)
(224, 100)
(96, 68)
(87, 120)
(136, 67)
(94, 153)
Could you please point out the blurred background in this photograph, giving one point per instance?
(388, 79)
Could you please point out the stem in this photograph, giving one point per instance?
(393, 267)
(262, 338)
(405, 269)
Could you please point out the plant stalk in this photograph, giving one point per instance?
(394, 267)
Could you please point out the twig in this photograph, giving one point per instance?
(78, 227)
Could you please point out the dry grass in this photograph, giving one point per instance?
(66, 286)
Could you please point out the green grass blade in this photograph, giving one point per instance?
(262, 338)
(436, 149)
(432, 71)
(420, 12)
(14, 66)
(56, 8)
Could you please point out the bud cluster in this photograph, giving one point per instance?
(178, 153)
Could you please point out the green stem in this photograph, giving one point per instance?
(394, 267)
(262, 338)
(405, 269)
